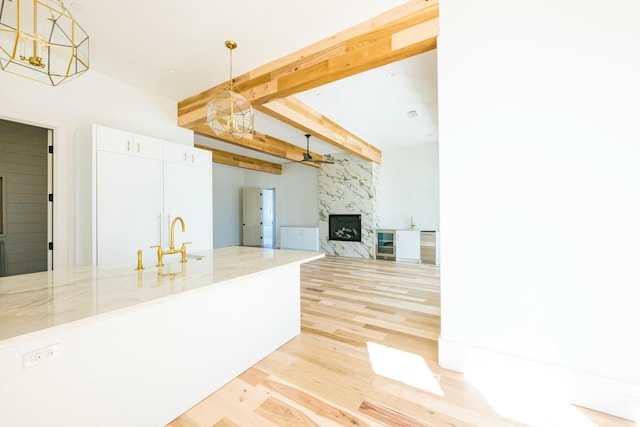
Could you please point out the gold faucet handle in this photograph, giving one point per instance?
(139, 267)
(160, 253)
(183, 250)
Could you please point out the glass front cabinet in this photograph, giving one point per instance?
(386, 244)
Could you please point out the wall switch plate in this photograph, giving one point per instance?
(40, 355)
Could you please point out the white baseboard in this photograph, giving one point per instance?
(608, 395)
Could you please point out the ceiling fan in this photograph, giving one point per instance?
(306, 157)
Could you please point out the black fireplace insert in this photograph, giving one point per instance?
(346, 228)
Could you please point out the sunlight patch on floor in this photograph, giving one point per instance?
(526, 395)
(398, 365)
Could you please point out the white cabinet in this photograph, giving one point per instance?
(127, 194)
(408, 245)
(302, 238)
(182, 154)
(400, 245)
(187, 194)
(128, 207)
(127, 143)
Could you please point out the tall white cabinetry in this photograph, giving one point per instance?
(128, 189)
(129, 200)
(188, 194)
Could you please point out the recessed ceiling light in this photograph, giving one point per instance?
(172, 71)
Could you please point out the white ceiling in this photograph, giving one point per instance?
(176, 49)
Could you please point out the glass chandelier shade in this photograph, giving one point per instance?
(229, 112)
(41, 41)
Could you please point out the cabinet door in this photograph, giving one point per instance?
(146, 146)
(187, 194)
(408, 244)
(129, 208)
(176, 153)
(200, 158)
(113, 140)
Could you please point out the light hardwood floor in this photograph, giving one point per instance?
(354, 313)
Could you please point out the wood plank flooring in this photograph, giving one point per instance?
(356, 313)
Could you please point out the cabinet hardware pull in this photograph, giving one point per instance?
(167, 231)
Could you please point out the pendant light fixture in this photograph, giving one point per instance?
(229, 112)
(41, 41)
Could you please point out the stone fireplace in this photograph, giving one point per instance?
(348, 189)
(346, 228)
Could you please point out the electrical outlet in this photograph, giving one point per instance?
(40, 355)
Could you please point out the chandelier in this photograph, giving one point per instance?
(229, 112)
(41, 41)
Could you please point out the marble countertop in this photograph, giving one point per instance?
(37, 301)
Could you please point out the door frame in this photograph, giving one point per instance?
(50, 184)
(51, 201)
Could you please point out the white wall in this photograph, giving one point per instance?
(227, 205)
(540, 207)
(91, 98)
(296, 199)
(409, 186)
(296, 194)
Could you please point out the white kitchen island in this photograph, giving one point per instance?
(138, 348)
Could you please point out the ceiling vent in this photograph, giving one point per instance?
(412, 114)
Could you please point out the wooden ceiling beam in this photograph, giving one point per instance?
(237, 160)
(262, 143)
(402, 32)
(297, 114)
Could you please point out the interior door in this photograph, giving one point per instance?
(26, 214)
(268, 217)
(252, 216)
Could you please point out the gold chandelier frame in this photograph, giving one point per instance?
(229, 112)
(41, 41)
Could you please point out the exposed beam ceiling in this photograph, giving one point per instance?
(263, 143)
(230, 159)
(402, 32)
(293, 112)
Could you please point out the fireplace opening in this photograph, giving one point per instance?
(346, 228)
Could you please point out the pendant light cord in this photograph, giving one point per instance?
(230, 69)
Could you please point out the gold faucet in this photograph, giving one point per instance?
(172, 249)
(139, 267)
